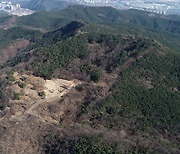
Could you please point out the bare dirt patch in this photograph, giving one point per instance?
(35, 91)
(34, 85)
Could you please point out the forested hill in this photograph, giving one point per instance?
(165, 29)
(104, 15)
(90, 80)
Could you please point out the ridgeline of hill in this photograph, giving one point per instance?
(104, 15)
(165, 29)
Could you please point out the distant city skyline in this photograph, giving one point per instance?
(155, 6)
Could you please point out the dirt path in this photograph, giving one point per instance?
(39, 102)
(37, 29)
(31, 110)
(49, 99)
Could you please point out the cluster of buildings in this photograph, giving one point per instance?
(9, 6)
(156, 6)
(94, 1)
(161, 6)
(14, 9)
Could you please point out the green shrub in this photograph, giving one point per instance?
(42, 94)
(20, 84)
(95, 75)
(16, 96)
(23, 78)
(2, 107)
(83, 145)
(10, 76)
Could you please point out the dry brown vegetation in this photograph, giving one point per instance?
(11, 51)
